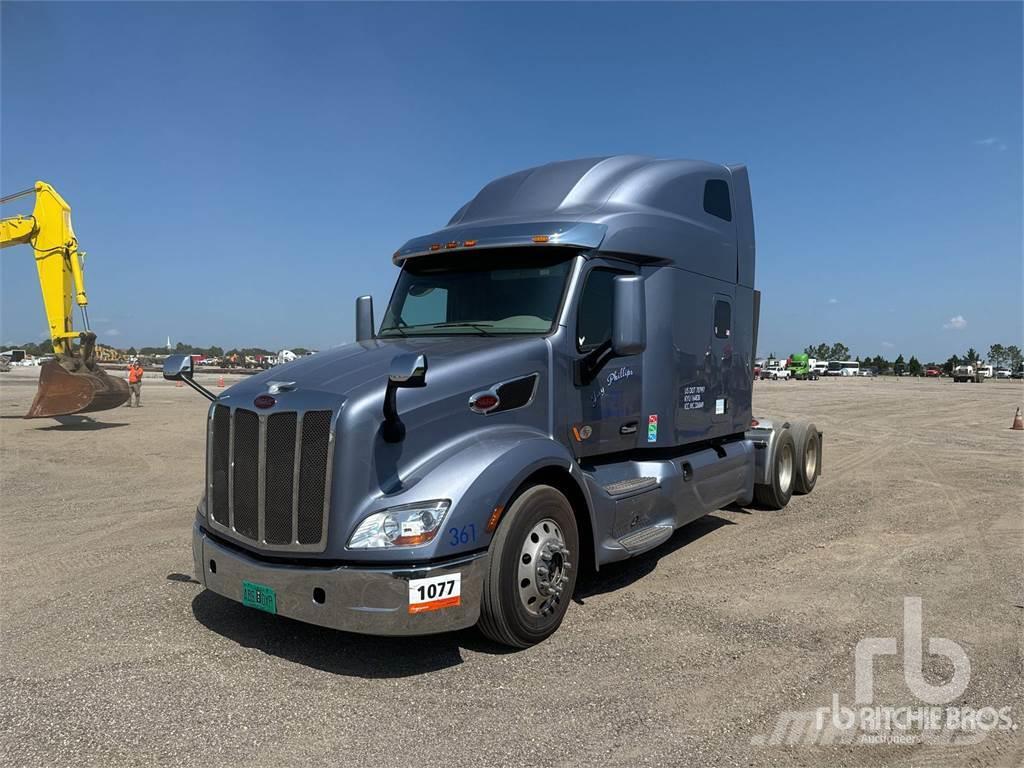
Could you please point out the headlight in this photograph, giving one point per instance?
(406, 526)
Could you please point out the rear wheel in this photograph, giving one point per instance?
(808, 456)
(532, 572)
(777, 493)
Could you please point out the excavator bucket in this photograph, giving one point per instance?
(62, 392)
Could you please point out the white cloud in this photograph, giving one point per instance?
(833, 301)
(955, 323)
(888, 344)
(112, 332)
(995, 143)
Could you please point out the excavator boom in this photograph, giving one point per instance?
(73, 382)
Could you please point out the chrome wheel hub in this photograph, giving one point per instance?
(786, 468)
(810, 460)
(544, 567)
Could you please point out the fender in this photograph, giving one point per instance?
(479, 474)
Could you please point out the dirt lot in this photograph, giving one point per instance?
(689, 655)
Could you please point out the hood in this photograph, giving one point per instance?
(362, 366)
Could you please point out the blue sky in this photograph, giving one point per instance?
(240, 172)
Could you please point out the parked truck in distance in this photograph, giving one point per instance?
(801, 367)
(969, 373)
(775, 369)
(561, 379)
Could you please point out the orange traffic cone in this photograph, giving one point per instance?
(1018, 422)
(220, 382)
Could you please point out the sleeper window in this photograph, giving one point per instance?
(716, 199)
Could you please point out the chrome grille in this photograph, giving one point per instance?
(219, 458)
(245, 465)
(268, 476)
(316, 435)
(279, 477)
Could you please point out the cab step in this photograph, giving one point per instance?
(646, 538)
(631, 485)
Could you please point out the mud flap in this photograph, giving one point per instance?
(62, 392)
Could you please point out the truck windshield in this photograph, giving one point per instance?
(478, 293)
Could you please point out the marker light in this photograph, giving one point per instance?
(540, 238)
(492, 521)
(409, 525)
(452, 244)
(469, 243)
(435, 246)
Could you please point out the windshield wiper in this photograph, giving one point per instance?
(478, 326)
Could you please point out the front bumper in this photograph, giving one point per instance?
(368, 600)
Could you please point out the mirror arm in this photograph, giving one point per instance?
(200, 389)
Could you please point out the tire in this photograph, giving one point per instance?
(777, 494)
(525, 594)
(775, 377)
(807, 456)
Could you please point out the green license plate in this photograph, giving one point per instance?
(259, 596)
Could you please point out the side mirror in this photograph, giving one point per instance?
(178, 367)
(409, 370)
(629, 316)
(364, 318)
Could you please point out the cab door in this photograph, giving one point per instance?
(610, 397)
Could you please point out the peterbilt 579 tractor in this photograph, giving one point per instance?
(562, 379)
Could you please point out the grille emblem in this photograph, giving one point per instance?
(264, 401)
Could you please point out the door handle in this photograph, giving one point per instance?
(628, 429)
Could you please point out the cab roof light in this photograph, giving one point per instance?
(452, 244)
(540, 238)
(435, 246)
(469, 243)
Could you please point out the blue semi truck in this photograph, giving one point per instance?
(561, 379)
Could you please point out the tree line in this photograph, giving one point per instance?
(999, 356)
(45, 347)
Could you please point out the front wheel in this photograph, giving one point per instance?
(532, 571)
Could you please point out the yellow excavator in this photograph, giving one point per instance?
(72, 383)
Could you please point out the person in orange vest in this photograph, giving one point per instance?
(135, 383)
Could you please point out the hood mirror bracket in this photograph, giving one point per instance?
(407, 371)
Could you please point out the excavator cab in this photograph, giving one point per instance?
(73, 382)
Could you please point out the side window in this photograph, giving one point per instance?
(425, 305)
(723, 319)
(716, 199)
(594, 317)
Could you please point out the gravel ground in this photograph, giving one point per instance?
(688, 655)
